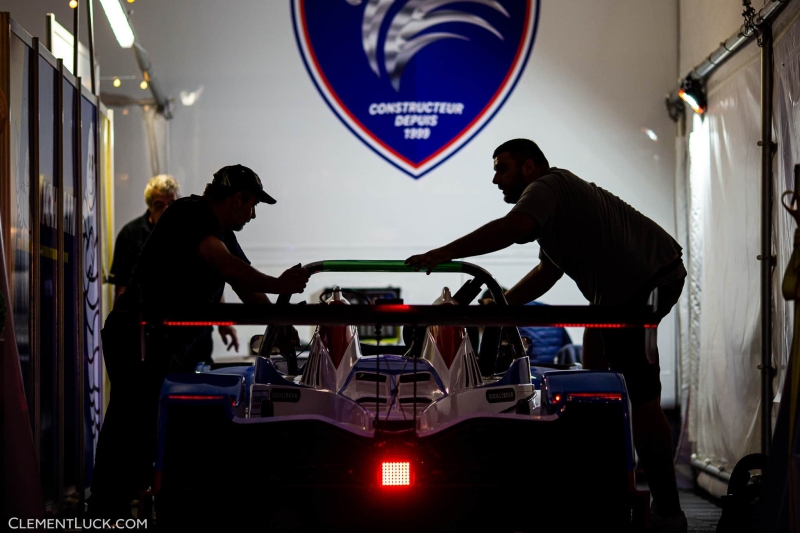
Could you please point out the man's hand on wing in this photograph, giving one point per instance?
(429, 260)
(229, 332)
(293, 280)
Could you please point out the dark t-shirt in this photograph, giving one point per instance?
(609, 248)
(127, 248)
(170, 271)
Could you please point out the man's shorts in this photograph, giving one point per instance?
(633, 351)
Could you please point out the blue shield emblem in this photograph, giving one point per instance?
(415, 80)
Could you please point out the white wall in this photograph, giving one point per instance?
(596, 77)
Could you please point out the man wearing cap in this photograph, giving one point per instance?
(190, 255)
(159, 193)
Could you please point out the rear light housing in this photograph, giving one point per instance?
(559, 400)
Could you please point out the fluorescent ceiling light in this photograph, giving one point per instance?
(119, 22)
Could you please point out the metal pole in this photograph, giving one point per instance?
(36, 235)
(146, 66)
(60, 307)
(736, 42)
(767, 259)
(414, 315)
(708, 468)
(90, 28)
(81, 290)
(75, 29)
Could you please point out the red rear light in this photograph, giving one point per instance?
(581, 396)
(395, 473)
(596, 395)
(602, 326)
(234, 401)
(195, 397)
(197, 323)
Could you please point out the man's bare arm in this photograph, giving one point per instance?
(242, 277)
(496, 235)
(252, 297)
(537, 282)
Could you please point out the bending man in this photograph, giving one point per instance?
(616, 256)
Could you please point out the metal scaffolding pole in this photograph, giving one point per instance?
(767, 258)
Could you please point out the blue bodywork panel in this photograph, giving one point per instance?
(210, 388)
(560, 387)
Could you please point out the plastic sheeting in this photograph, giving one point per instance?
(681, 235)
(723, 305)
(787, 135)
(156, 129)
(724, 295)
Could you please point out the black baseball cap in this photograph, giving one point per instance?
(241, 179)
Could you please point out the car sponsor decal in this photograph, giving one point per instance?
(500, 395)
(284, 395)
(415, 80)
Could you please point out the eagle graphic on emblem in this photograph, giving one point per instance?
(405, 36)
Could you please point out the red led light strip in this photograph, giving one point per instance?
(200, 398)
(596, 395)
(592, 395)
(195, 397)
(603, 326)
(395, 307)
(196, 323)
(406, 308)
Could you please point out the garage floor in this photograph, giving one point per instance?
(702, 512)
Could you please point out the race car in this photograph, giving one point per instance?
(429, 436)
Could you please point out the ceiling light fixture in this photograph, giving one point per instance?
(692, 93)
(119, 22)
(143, 85)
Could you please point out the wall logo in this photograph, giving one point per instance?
(415, 80)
